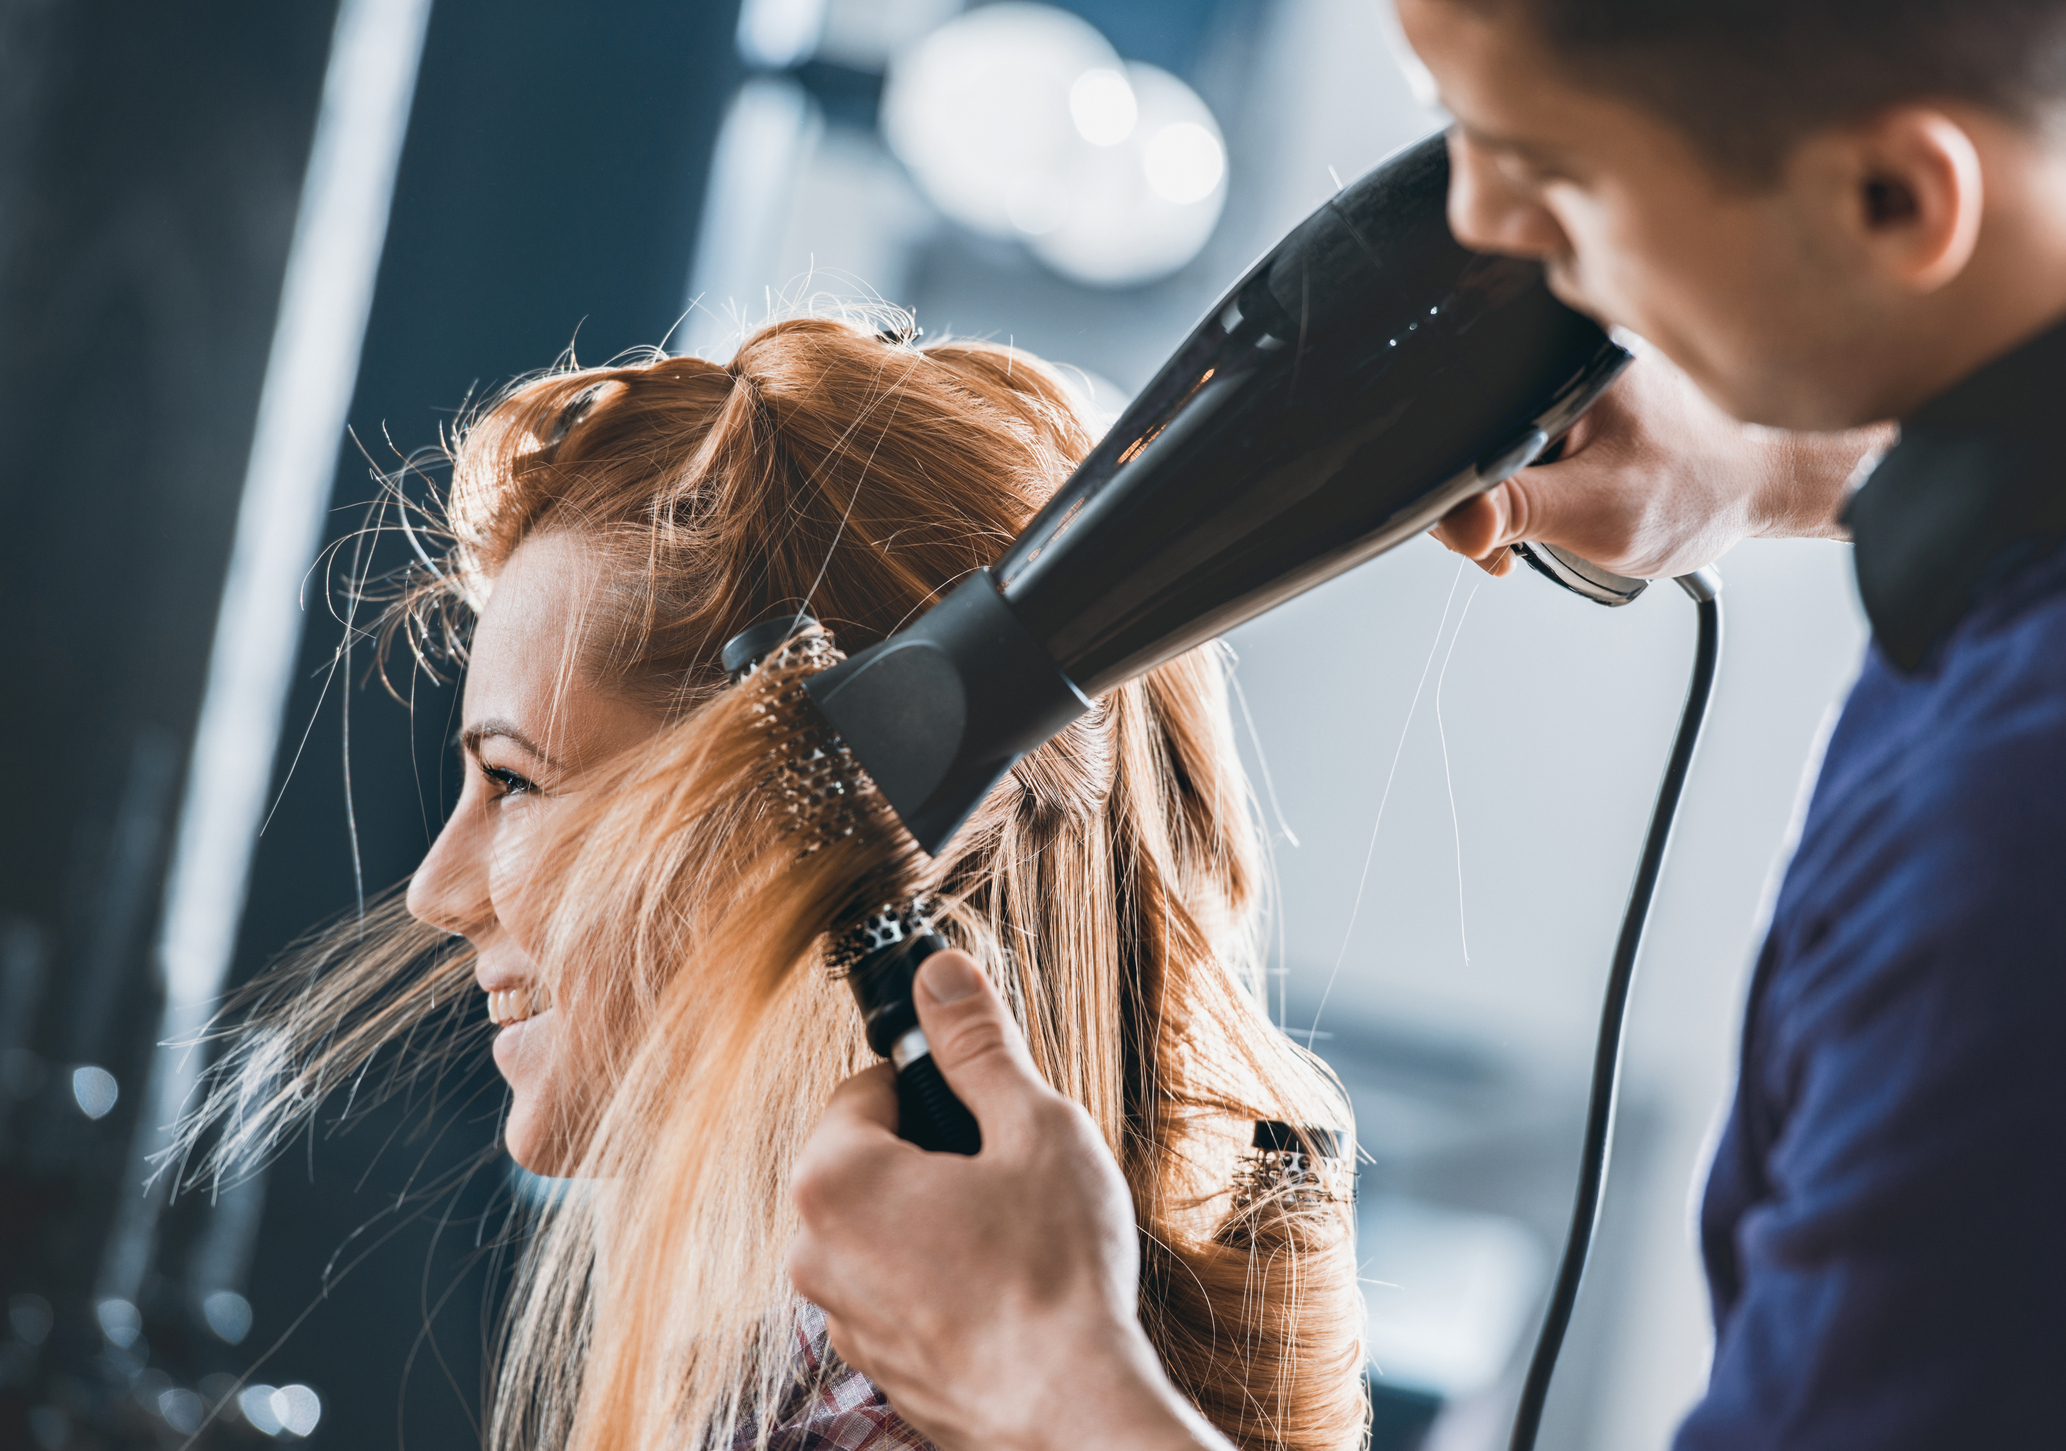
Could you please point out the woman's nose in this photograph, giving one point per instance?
(1489, 214)
(450, 889)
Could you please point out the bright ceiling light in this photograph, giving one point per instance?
(1184, 162)
(1019, 120)
(1142, 209)
(779, 33)
(982, 104)
(1103, 107)
(1038, 205)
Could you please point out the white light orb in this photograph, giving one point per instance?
(297, 1409)
(119, 1321)
(982, 104)
(228, 1314)
(1102, 104)
(1038, 204)
(256, 1403)
(95, 1091)
(1143, 208)
(183, 1410)
(779, 33)
(1184, 162)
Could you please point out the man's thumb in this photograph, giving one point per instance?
(1479, 525)
(974, 1041)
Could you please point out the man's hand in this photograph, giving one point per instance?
(992, 1298)
(1657, 481)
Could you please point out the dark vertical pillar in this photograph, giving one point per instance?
(151, 160)
(548, 197)
(150, 166)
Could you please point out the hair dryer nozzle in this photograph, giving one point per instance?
(939, 711)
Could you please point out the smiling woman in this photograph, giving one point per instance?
(527, 682)
(631, 902)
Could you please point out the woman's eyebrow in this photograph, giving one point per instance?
(479, 731)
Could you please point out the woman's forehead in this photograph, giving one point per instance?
(529, 662)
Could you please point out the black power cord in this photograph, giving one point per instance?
(1705, 590)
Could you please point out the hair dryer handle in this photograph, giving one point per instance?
(928, 1113)
(1580, 575)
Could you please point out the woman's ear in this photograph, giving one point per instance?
(1911, 197)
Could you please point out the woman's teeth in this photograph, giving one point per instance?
(514, 1005)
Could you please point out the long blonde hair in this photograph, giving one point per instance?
(1109, 886)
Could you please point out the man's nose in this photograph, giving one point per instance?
(1488, 214)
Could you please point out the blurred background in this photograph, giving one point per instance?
(251, 253)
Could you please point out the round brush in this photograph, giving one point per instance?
(876, 945)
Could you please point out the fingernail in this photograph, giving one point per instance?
(949, 977)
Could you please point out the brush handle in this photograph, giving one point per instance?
(928, 1113)
(882, 978)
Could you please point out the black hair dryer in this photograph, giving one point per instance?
(1364, 378)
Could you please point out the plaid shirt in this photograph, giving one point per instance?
(844, 1414)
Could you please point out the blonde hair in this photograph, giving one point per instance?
(1109, 886)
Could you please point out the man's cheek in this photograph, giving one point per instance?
(1568, 285)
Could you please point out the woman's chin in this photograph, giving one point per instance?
(527, 1138)
(530, 1151)
(519, 1047)
(523, 1055)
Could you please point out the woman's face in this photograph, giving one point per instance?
(534, 721)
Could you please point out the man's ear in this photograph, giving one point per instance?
(1909, 194)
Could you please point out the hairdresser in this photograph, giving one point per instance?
(1845, 219)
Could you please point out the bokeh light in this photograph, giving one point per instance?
(182, 1409)
(256, 1403)
(1145, 207)
(981, 105)
(1103, 106)
(297, 1408)
(119, 1321)
(1019, 120)
(228, 1314)
(1184, 162)
(94, 1090)
(291, 1410)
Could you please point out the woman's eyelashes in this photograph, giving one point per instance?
(507, 782)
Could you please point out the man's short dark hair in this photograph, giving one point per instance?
(1745, 78)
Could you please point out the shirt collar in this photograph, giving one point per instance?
(1975, 487)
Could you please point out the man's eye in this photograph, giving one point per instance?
(506, 782)
(1532, 174)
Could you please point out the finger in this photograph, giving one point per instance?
(826, 1278)
(846, 1151)
(1473, 528)
(865, 1102)
(842, 1343)
(806, 1266)
(974, 1040)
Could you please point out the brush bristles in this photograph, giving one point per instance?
(889, 924)
(827, 795)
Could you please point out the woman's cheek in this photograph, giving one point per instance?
(512, 867)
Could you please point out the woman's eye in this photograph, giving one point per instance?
(507, 782)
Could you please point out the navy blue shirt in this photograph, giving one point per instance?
(1885, 1224)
